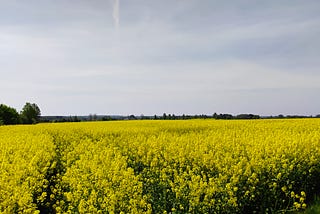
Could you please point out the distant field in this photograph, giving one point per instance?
(194, 166)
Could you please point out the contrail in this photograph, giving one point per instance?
(116, 13)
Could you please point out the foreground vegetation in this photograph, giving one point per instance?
(195, 166)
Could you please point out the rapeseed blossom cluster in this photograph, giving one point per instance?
(195, 166)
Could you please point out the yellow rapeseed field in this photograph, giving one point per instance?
(194, 166)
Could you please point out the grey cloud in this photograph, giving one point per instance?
(180, 56)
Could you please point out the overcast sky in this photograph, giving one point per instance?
(80, 57)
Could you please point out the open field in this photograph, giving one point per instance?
(195, 166)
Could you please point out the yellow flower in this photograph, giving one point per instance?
(304, 206)
(292, 194)
(284, 188)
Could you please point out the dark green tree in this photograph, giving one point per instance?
(8, 115)
(215, 115)
(164, 116)
(30, 113)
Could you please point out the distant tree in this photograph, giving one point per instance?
(164, 116)
(215, 115)
(132, 117)
(247, 116)
(106, 118)
(224, 116)
(203, 116)
(95, 117)
(90, 117)
(74, 119)
(30, 113)
(8, 115)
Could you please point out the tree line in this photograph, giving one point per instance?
(165, 116)
(30, 114)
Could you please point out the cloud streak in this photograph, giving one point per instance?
(116, 13)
